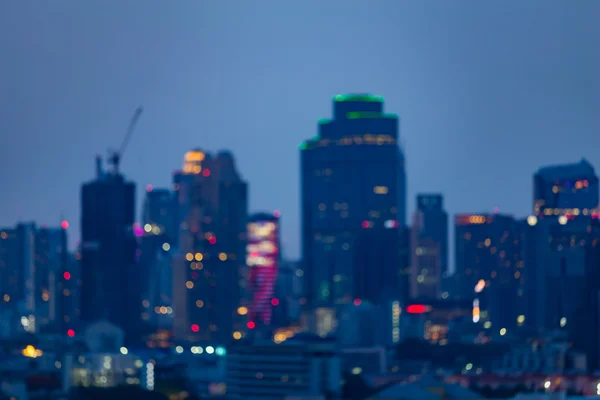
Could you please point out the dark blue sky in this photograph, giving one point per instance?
(487, 91)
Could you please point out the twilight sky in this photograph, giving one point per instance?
(487, 91)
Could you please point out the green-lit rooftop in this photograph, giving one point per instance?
(363, 98)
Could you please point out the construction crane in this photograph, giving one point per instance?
(114, 157)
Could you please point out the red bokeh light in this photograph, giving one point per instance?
(357, 302)
(195, 328)
(67, 275)
(70, 333)
(274, 302)
(416, 309)
(212, 240)
(251, 325)
(64, 224)
(365, 224)
(149, 188)
(206, 172)
(277, 213)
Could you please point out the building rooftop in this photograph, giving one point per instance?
(567, 171)
(338, 98)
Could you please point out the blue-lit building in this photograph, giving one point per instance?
(429, 246)
(353, 203)
(565, 198)
(53, 302)
(110, 275)
(158, 242)
(565, 189)
(489, 267)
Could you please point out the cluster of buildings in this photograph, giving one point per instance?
(199, 272)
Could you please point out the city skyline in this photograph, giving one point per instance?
(447, 116)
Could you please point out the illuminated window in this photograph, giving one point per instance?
(380, 190)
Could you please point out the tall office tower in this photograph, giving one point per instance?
(584, 328)
(110, 275)
(158, 242)
(561, 193)
(353, 202)
(11, 272)
(209, 268)
(262, 259)
(572, 272)
(17, 272)
(429, 244)
(51, 261)
(489, 267)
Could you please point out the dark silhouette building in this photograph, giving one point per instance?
(353, 204)
(564, 198)
(489, 267)
(51, 266)
(565, 189)
(17, 268)
(209, 270)
(429, 242)
(157, 245)
(109, 272)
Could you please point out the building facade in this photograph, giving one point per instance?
(353, 204)
(565, 198)
(489, 267)
(263, 260)
(429, 242)
(209, 269)
(109, 272)
(293, 369)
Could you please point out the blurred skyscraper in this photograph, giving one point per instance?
(209, 269)
(489, 267)
(429, 243)
(565, 189)
(158, 243)
(565, 198)
(17, 252)
(32, 263)
(51, 264)
(110, 275)
(353, 202)
(263, 259)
